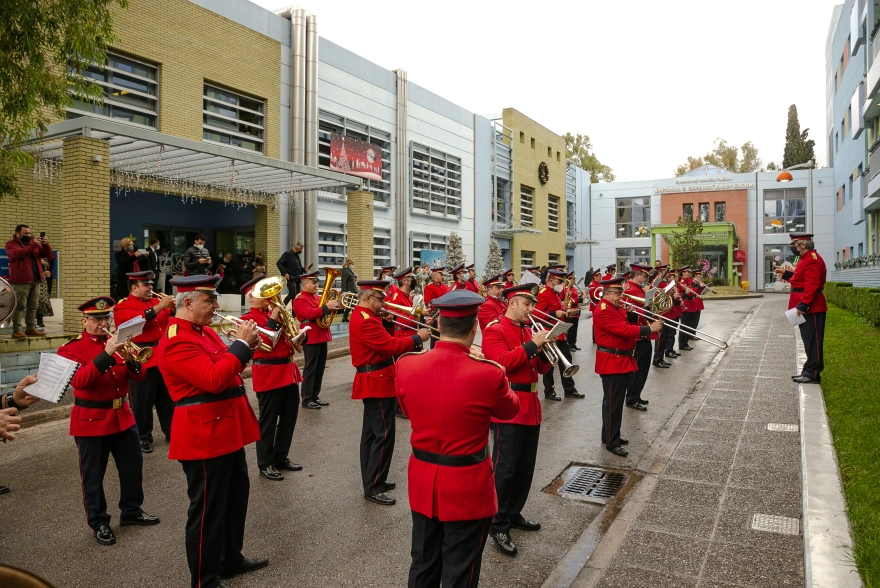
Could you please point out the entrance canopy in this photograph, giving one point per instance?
(138, 154)
(723, 234)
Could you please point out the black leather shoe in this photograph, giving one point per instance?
(686, 348)
(520, 522)
(4, 489)
(672, 354)
(382, 499)
(574, 348)
(288, 466)
(143, 520)
(390, 486)
(643, 401)
(806, 380)
(573, 394)
(624, 441)
(146, 447)
(104, 536)
(661, 364)
(551, 395)
(270, 473)
(618, 451)
(320, 402)
(247, 565)
(637, 406)
(504, 543)
(312, 406)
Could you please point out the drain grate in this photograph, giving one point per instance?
(775, 524)
(594, 483)
(783, 427)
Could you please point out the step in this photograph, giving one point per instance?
(22, 359)
(9, 345)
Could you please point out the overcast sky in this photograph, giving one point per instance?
(650, 82)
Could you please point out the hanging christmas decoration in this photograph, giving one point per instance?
(543, 173)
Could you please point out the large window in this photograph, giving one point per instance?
(526, 206)
(785, 211)
(627, 256)
(776, 255)
(332, 244)
(436, 182)
(552, 258)
(704, 212)
(687, 211)
(526, 259)
(720, 212)
(332, 123)
(130, 92)
(570, 216)
(431, 242)
(553, 213)
(381, 249)
(232, 119)
(633, 217)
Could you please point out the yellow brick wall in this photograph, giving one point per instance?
(193, 45)
(525, 170)
(360, 230)
(267, 229)
(36, 207)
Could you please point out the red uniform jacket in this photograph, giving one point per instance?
(687, 299)
(456, 285)
(510, 344)
(489, 311)
(807, 282)
(392, 288)
(575, 299)
(22, 257)
(194, 360)
(402, 327)
(272, 376)
(675, 312)
(592, 289)
(307, 311)
(509, 285)
(698, 302)
(434, 290)
(637, 318)
(613, 331)
(130, 307)
(370, 345)
(607, 277)
(549, 302)
(449, 414)
(472, 285)
(99, 377)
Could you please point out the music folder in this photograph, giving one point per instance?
(53, 377)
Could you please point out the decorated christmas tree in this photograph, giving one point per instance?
(495, 260)
(454, 254)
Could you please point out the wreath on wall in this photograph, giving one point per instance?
(543, 173)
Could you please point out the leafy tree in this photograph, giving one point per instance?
(798, 148)
(38, 39)
(494, 261)
(579, 150)
(726, 157)
(772, 166)
(685, 246)
(454, 253)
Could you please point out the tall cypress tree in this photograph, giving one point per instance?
(798, 147)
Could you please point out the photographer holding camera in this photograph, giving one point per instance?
(25, 253)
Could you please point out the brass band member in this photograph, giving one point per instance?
(668, 331)
(610, 270)
(472, 284)
(436, 288)
(495, 305)
(458, 278)
(643, 350)
(152, 390)
(387, 273)
(550, 302)
(276, 380)
(574, 312)
(307, 311)
(509, 278)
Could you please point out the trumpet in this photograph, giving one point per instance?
(130, 351)
(230, 331)
(553, 353)
(160, 295)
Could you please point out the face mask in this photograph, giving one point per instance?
(129, 247)
(794, 251)
(200, 246)
(557, 288)
(25, 239)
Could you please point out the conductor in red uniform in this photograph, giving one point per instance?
(807, 281)
(509, 340)
(307, 311)
(372, 355)
(451, 487)
(550, 303)
(495, 305)
(213, 421)
(276, 381)
(615, 359)
(101, 422)
(152, 390)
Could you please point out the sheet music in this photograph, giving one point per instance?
(559, 328)
(530, 278)
(794, 318)
(54, 375)
(130, 329)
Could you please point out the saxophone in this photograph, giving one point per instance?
(328, 295)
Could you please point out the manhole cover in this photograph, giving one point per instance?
(776, 524)
(594, 483)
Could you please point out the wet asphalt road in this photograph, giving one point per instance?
(315, 526)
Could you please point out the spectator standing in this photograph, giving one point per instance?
(44, 306)
(291, 267)
(197, 259)
(25, 275)
(259, 266)
(218, 259)
(349, 283)
(166, 268)
(128, 260)
(245, 268)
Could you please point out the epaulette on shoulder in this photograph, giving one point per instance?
(412, 353)
(77, 338)
(171, 331)
(492, 322)
(815, 256)
(541, 291)
(483, 360)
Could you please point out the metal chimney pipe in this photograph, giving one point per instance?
(311, 133)
(297, 113)
(402, 254)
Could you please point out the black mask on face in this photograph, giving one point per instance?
(794, 251)
(25, 239)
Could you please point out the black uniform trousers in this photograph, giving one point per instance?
(673, 327)
(294, 284)
(613, 393)
(687, 320)
(315, 356)
(572, 334)
(218, 499)
(697, 314)
(146, 394)
(450, 552)
(637, 379)
(514, 452)
(94, 453)
(813, 335)
(549, 380)
(661, 343)
(377, 443)
(278, 411)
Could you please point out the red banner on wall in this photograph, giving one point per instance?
(355, 157)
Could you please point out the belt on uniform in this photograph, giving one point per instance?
(523, 387)
(114, 404)
(455, 461)
(272, 361)
(626, 352)
(374, 367)
(798, 290)
(207, 398)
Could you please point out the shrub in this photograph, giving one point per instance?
(864, 302)
(718, 282)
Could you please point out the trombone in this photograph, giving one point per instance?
(691, 331)
(553, 353)
(230, 330)
(130, 351)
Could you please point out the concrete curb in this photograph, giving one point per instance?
(708, 298)
(828, 545)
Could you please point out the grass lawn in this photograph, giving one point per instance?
(852, 397)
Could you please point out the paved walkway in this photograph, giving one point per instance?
(727, 467)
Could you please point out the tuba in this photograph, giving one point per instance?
(8, 300)
(328, 295)
(270, 289)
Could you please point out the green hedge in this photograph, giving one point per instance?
(864, 302)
